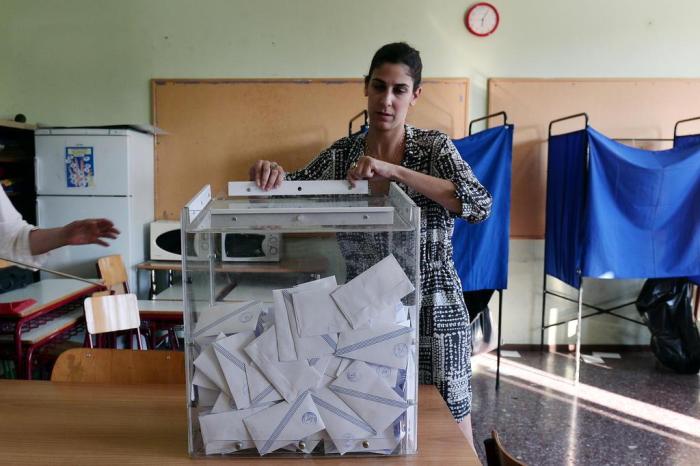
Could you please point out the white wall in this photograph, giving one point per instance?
(76, 62)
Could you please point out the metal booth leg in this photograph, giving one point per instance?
(498, 348)
(578, 334)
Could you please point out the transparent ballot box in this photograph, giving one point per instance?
(301, 318)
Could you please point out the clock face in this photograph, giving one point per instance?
(482, 19)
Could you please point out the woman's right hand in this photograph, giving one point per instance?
(267, 174)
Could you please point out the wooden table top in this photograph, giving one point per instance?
(66, 423)
(47, 293)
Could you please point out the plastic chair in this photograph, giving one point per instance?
(112, 313)
(496, 454)
(84, 365)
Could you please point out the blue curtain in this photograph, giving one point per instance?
(566, 175)
(686, 141)
(632, 214)
(481, 250)
(642, 218)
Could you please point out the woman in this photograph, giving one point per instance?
(427, 166)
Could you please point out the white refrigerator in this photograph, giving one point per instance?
(93, 173)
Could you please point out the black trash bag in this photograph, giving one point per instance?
(484, 337)
(665, 306)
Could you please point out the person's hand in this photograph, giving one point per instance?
(90, 231)
(369, 168)
(267, 174)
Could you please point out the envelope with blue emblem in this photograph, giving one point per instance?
(232, 359)
(384, 344)
(227, 318)
(284, 423)
(289, 378)
(375, 290)
(344, 426)
(291, 345)
(225, 432)
(209, 366)
(363, 390)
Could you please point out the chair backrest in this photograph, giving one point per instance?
(496, 454)
(112, 313)
(113, 273)
(129, 367)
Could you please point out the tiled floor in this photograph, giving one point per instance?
(624, 411)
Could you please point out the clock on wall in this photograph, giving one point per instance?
(481, 19)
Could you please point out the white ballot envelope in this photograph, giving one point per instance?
(380, 286)
(209, 365)
(222, 404)
(285, 343)
(392, 314)
(333, 365)
(203, 381)
(344, 426)
(316, 313)
(227, 318)
(383, 344)
(232, 358)
(320, 365)
(389, 374)
(225, 432)
(260, 389)
(289, 378)
(310, 443)
(284, 423)
(206, 397)
(369, 396)
(290, 344)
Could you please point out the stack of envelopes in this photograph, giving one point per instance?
(326, 363)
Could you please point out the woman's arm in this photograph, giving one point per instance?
(436, 189)
(269, 175)
(451, 182)
(88, 231)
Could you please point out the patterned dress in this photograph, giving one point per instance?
(444, 330)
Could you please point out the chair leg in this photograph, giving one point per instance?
(153, 329)
(28, 362)
(174, 345)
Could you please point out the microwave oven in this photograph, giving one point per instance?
(235, 247)
(165, 242)
(251, 247)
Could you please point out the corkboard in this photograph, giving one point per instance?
(218, 128)
(619, 108)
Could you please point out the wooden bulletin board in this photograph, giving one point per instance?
(619, 108)
(218, 128)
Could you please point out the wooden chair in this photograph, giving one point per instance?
(113, 273)
(112, 313)
(496, 454)
(115, 278)
(129, 367)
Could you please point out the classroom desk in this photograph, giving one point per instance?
(160, 315)
(66, 423)
(311, 265)
(49, 295)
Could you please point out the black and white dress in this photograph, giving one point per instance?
(445, 338)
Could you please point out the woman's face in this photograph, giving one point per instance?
(389, 94)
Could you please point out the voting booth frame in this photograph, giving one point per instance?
(311, 352)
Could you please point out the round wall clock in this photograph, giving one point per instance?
(481, 19)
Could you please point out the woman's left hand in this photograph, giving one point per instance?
(369, 168)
